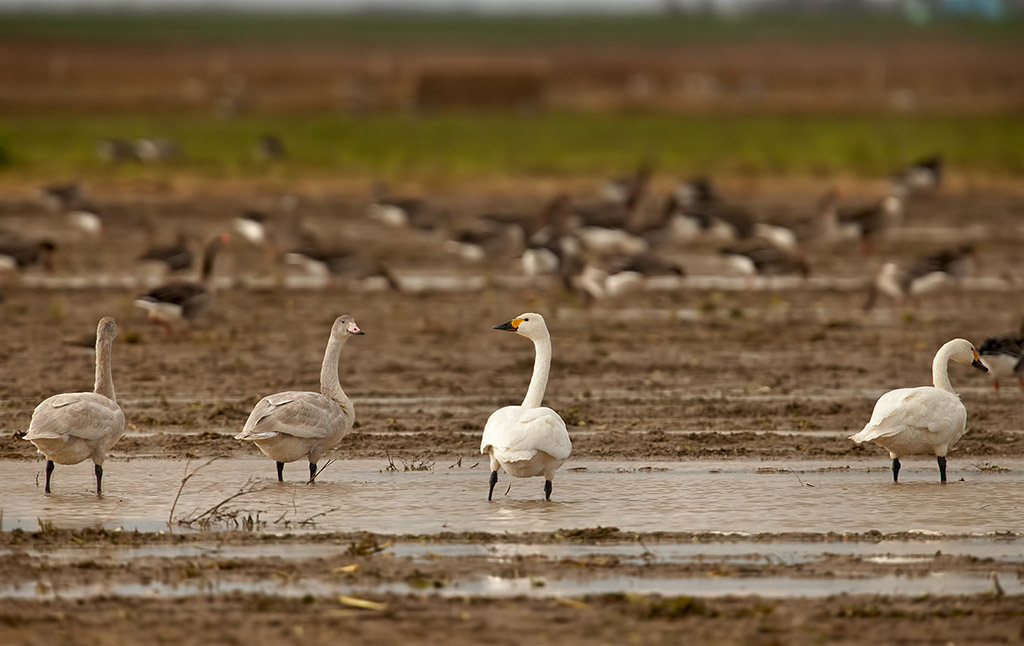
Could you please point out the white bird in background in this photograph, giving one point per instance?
(71, 427)
(928, 419)
(528, 440)
(294, 425)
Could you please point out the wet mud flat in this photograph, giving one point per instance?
(584, 585)
(722, 551)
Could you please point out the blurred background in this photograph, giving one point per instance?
(449, 89)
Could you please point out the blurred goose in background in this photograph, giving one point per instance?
(695, 209)
(17, 253)
(870, 223)
(924, 276)
(176, 256)
(62, 197)
(1003, 356)
(87, 220)
(614, 276)
(275, 234)
(115, 151)
(538, 228)
(72, 427)
(154, 149)
(527, 440)
(321, 262)
(294, 425)
(922, 177)
(762, 258)
(625, 189)
(408, 212)
(269, 148)
(820, 229)
(488, 240)
(928, 419)
(182, 302)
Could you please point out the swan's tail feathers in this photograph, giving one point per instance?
(510, 455)
(253, 436)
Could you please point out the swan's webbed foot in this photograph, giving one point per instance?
(312, 472)
(494, 481)
(895, 469)
(941, 459)
(49, 472)
(99, 479)
(547, 490)
(280, 471)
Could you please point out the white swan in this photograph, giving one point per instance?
(530, 439)
(929, 419)
(71, 427)
(294, 425)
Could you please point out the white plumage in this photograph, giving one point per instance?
(293, 425)
(528, 440)
(71, 427)
(924, 420)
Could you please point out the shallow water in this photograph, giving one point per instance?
(1004, 550)
(697, 496)
(941, 583)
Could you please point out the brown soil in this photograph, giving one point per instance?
(838, 75)
(777, 374)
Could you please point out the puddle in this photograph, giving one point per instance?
(705, 496)
(773, 552)
(498, 587)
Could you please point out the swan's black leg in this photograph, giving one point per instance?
(49, 472)
(895, 469)
(547, 490)
(312, 471)
(280, 471)
(99, 479)
(494, 481)
(942, 467)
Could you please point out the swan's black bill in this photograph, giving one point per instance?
(359, 332)
(508, 327)
(979, 365)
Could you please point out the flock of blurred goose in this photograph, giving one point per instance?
(620, 237)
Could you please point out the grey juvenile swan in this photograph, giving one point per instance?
(294, 425)
(71, 427)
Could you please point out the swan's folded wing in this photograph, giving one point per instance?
(918, 409)
(519, 433)
(88, 416)
(300, 414)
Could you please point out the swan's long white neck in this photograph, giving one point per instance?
(104, 380)
(541, 369)
(330, 385)
(940, 369)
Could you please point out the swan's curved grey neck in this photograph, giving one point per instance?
(330, 384)
(104, 384)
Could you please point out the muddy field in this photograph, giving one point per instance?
(684, 373)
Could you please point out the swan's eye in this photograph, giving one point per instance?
(526, 319)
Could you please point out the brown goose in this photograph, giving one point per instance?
(17, 253)
(1002, 355)
(926, 275)
(176, 255)
(181, 302)
(332, 262)
(871, 222)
